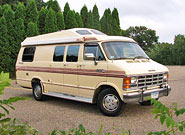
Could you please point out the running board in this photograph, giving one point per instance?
(70, 97)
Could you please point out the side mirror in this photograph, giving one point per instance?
(89, 56)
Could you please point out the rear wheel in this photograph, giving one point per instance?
(37, 92)
(109, 102)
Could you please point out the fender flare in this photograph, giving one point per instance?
(111, 85)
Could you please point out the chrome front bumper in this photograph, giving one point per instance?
(141, 95)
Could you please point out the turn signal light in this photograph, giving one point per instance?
(127, 82)
(167, 77)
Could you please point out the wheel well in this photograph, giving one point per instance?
(35, 80)
(101, 88)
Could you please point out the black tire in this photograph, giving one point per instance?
(37, 92)
(103, 102)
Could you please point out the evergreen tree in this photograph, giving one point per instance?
(79, 20)
(42, 18)
(19, 25)
(3, 8)
(90, 20)
(71, 20)
(40, 4)
(115, 16)
(96, 18)
(20, 32)
(5, 59)
(66, 10)
(106, 22)
(60, 21)
(1, 11)
(116, 30)
(20, 11)
(32, 29)
(12, 46)
(31, 12)
(84, 15)
(51, 22)
(53, 4)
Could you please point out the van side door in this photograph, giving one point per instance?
(92, 72)
(70, 85)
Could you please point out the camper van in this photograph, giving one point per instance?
(89, 66)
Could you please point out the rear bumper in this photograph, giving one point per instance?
(141, 96)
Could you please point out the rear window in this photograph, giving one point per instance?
(28, 54)
(59, 54)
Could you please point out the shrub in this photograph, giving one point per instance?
(8, 127)
(166, 115)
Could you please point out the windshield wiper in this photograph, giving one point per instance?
(140, 57)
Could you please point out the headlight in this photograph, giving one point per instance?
(133, 80)
(165, 77)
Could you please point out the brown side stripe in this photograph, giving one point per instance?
(88, 72)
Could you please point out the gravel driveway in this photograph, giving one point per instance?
(55, 113)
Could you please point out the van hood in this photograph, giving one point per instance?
(140, 66)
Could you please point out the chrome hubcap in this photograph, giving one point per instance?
(110, 102)
(38, 91)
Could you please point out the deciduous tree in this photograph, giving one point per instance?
(145, 37)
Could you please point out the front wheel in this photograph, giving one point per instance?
(109, 102)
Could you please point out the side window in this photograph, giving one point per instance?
(59, 53)
(28, 54)
(72, 53)
(95, 50)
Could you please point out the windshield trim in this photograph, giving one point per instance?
(102, 44)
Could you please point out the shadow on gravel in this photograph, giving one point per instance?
(131, 109)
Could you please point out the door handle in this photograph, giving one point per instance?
(65, 65)
(20, 62)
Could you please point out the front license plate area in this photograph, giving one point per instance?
(155, 95)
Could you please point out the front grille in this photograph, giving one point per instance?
(150, 80)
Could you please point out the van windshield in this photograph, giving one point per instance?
(124, 50)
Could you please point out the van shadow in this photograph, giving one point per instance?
(131, 109)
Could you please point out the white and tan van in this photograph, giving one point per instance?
(86, 65)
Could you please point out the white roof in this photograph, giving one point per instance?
(72, 36)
